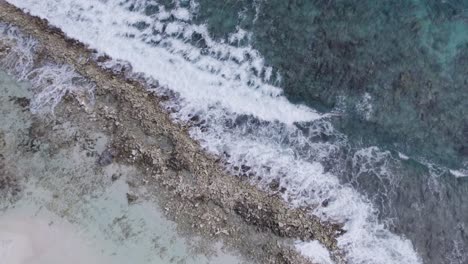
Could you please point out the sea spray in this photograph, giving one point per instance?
(21, 50)
(234, 106)
(50, 82)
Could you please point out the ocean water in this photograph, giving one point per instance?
(355, 109)
(69, 209)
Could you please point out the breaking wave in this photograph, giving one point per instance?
(50, 81)
(231, 99)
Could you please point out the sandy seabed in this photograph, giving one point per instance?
(124, 180)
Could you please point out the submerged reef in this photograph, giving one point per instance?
(396, 69)
(198, 194)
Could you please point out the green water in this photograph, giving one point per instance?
(397, 73)
(410, 57)
(393, 72)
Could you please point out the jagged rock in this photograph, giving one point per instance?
(21, 101)
(174, 163)
(2, 140)
(131, 198)
(215, 191)
(106, 158)
(115, 177)
(274, 185)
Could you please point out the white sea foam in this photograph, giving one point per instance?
(315, 251)
(19, 60)
(403, 156)
(50, 82)
(364, 107)
(459, 173)
(181, 14)
(240, 114)
(205, 81)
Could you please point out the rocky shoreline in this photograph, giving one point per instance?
(198, 194)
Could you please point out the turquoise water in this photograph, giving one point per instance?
(409, 56)
(390, 77)
(396, 71)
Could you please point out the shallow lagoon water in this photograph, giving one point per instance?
(70, 211)
(380, 83)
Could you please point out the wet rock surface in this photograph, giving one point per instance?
(106, 157)
(191, 185)
(9, 184)
(21, 101)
